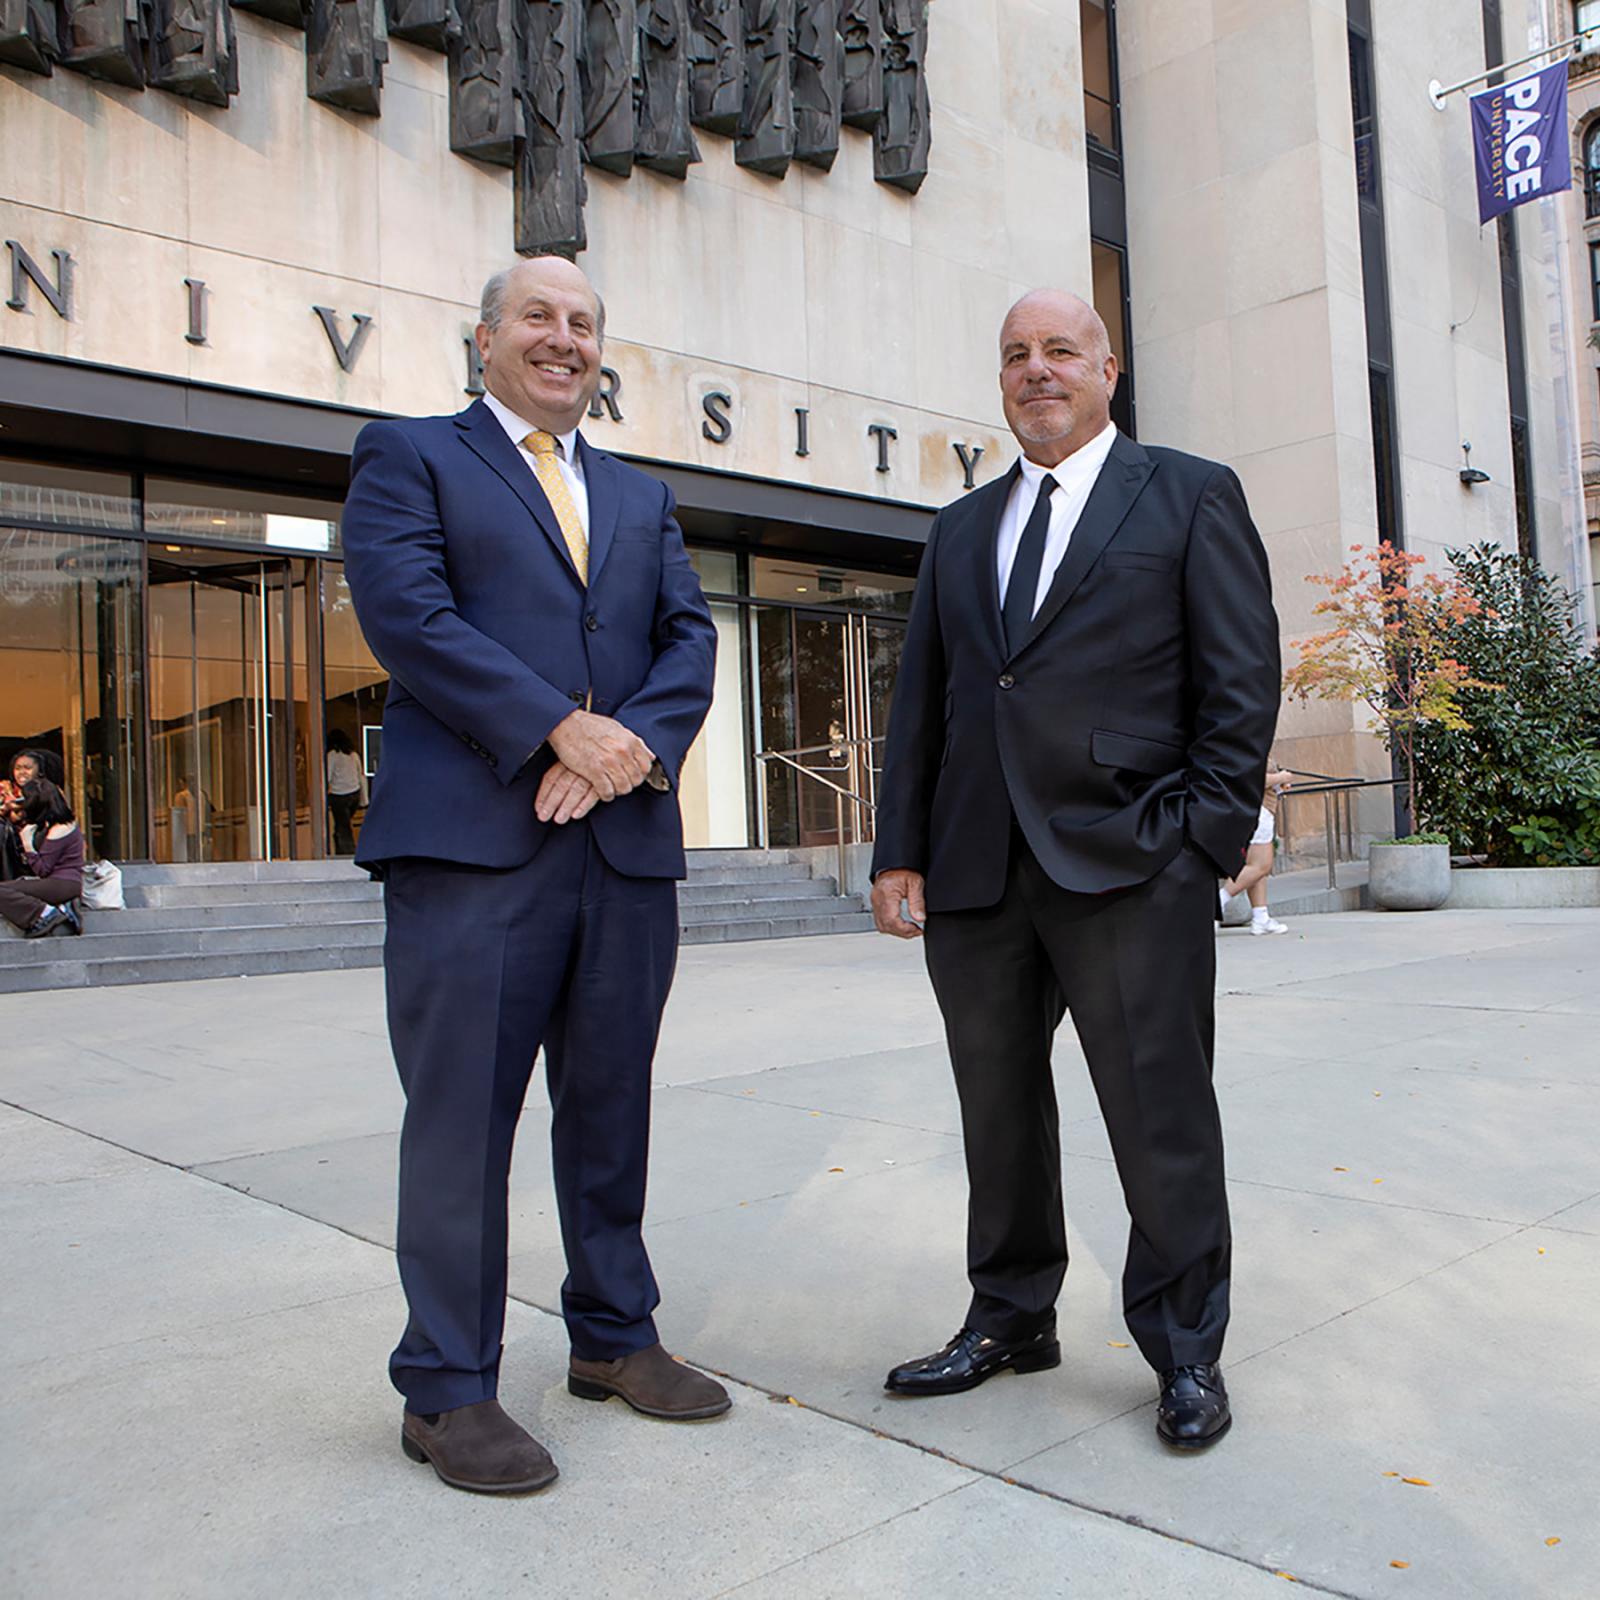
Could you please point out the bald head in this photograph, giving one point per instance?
(1057, 373)
(539, 338)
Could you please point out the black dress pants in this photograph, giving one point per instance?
(483, 967)
(1137, 969)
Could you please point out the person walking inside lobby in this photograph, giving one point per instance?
(551, 659)
(347, 790)
(1086, 698)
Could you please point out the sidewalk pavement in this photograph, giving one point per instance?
(196, 1189)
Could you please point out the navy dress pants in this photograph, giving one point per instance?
(483, 967)
(1137, 968)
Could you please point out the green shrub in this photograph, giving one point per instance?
(1521, 786)
(1417, 838)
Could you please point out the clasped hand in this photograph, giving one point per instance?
(596, 759)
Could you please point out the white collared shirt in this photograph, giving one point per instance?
(1075, 477)
(568, 461)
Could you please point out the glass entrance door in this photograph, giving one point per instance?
(229, 717)
(825, 681)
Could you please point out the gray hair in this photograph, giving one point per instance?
(492, 303)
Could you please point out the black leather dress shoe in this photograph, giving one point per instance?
(1193, 1411)
(970, 1358)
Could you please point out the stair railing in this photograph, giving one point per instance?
(849, 778)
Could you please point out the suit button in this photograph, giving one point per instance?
(1006, 680)
(591, 622)
(575, 696)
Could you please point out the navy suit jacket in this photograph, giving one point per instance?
(1136, 715)
(468, 597)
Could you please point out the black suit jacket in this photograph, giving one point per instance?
(1136, 716)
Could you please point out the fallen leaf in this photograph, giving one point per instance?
(1421, 1483)
(1399, 1563)
(1117, 1344)
(1377, 1180)
(1341, 1169)
(1541, 1249)
(1552, 1540)
(816, 1113)
(1288, 1577)
(1391, 1474)
(835, 1169)
(1011, 1481)
(1377, 1094)
(792, 1401)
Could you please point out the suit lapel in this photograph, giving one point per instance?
(1121, 481)
(603, 481)
(484, 436)
(984, 568)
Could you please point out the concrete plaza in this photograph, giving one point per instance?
(196, 1189)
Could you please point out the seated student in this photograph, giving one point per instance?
(52, 852)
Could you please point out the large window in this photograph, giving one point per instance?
(71, 672)
(1586, 20)
(1591, 171)
(1097, 33)
(1594, 282)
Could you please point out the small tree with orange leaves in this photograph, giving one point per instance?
(1391, 647)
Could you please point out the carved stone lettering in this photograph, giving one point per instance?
(607, 401)
(766, 115)
(107, 39)
(818, 82)
(198, 308)
(716, 64)
(287, 12)
(429, 23)
(29, 37)
(606, 69)
(345, 351)
(901, 139)
(861, 25)
(25, 270)
(347, 43)
(195, 53)
(483, 81)
(664, 140)
(549, 174)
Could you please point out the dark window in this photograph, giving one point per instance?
(1594, 281)
(1364, 122)
(1591, 171)
(1097, 32)
(1111, 301)
(1384, 455)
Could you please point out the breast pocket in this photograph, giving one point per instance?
(1137, 561)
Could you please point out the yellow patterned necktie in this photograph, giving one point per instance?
(542, 447)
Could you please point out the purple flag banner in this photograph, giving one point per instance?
(1519, 141)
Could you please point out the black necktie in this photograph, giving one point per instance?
(1024, 584)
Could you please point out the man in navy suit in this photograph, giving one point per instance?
(1086, 699)
(551, 660)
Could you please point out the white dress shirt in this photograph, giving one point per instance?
(1075, 477)
(568, 462)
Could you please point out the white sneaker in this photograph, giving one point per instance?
(1269, 925)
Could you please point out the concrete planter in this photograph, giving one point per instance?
(1408, 877)
(1530, 888)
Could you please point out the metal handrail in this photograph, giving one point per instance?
(1338, 814)
(864, 811)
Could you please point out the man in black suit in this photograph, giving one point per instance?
(1080, 726)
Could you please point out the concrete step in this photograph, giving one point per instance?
(755, 870)
(778, 927)
(215, 872)
(304, 891)
(706, 860)
(233, 914)
(93, 945)
(769, 909)
(710, 894)
(74, 971)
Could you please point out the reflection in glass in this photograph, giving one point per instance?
(1099, 92)
(835, 588)
(353, 683)
(216, 511)
(70, 646)
(228, 711)
(33, 491)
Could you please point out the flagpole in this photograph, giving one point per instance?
(1438, 93)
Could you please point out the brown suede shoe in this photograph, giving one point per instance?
(479, 1448)
(652, 1383)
